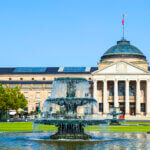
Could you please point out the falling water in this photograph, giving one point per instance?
(60, 87)
(70, 108)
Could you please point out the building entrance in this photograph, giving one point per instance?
(132, 108)
(122, 107)
(37, 107)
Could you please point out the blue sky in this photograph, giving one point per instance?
(69, 32)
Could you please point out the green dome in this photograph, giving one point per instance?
(123, 49)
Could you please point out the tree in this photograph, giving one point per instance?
(11, 99)
(4, 98)
(17, 99)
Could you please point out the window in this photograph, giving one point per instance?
(143, 107)
(111, 105)
(74, 69)
(121, 88)
(25, 86)
(30, 69)
(86, 94)
(13, 86)
(37, 86)
(100, 107)
(48, 86)
(26, 109)
(121, 104)
(131, 90)
(37, 107)
(111, 90)
(51, 109)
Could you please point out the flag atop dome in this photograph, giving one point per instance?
(123, 26)
(123, 20)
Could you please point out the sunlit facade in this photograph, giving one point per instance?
(121, 79)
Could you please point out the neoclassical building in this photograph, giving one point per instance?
(122, 79)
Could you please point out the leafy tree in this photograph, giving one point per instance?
(11, 99)
(17, 99)
(4, 98)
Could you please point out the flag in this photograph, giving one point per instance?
(123, 21)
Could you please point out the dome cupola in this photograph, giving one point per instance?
(123, 50)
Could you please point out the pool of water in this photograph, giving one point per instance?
(100, 141)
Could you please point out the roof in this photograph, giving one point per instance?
(123, 49)
(47, 70)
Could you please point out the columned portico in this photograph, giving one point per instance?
(133, 103)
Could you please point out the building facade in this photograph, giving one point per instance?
(122, 79)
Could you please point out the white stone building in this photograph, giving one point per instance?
(122, 79)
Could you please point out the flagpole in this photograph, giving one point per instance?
(123, 26)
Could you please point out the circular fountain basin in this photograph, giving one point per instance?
(70, 128)
(102, 140)
(70, 121)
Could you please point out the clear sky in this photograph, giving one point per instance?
(69, 32)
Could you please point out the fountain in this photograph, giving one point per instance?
(71, 96)
(114, 113)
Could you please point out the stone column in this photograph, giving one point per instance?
(148, 98)
(116, 103)
(95, 90)
(105, 103)
(127, 104)
(138, 104)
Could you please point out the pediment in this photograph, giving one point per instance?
(121, 68)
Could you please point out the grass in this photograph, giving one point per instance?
(120, 128)
(24, 127)
(136, 123)
(16, 126)
(27, 127)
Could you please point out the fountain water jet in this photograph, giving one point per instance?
(70, 93)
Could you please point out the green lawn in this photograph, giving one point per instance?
(136, 123)
(119, 128)
(24, 127)
(27, 126)
(16, 126)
